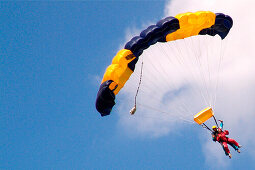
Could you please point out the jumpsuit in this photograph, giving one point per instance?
(224, 141)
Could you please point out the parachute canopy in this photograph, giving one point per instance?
(168, 29)
(203, 115)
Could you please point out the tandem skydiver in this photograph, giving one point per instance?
(219, 135)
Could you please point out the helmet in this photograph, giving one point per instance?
(214, 127)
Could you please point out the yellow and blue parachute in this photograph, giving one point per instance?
(168, 29)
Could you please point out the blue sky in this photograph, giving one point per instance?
(51, 54)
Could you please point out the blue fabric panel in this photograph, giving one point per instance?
(105, 99)
(149, 36)
(168, 25)
(134, 45)
(223, 24)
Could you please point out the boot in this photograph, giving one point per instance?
(229, 155)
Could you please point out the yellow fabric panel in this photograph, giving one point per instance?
(203, 116)
(123, 57)
(119, 71)
(124, 76)
(109, 73)
(191, 24)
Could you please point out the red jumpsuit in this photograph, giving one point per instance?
(221, 137)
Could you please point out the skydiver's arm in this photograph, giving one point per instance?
(221, 124)
(226, 132)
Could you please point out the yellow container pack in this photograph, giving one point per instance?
(203, 115)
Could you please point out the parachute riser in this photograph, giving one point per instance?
(205, 126)
(215, 121)
(133, 110)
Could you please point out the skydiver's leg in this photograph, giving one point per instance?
(232, 141)
(225, 148)
(234, 146)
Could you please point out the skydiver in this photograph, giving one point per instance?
(219, 135)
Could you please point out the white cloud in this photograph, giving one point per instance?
(235, 97)
(236, 102)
